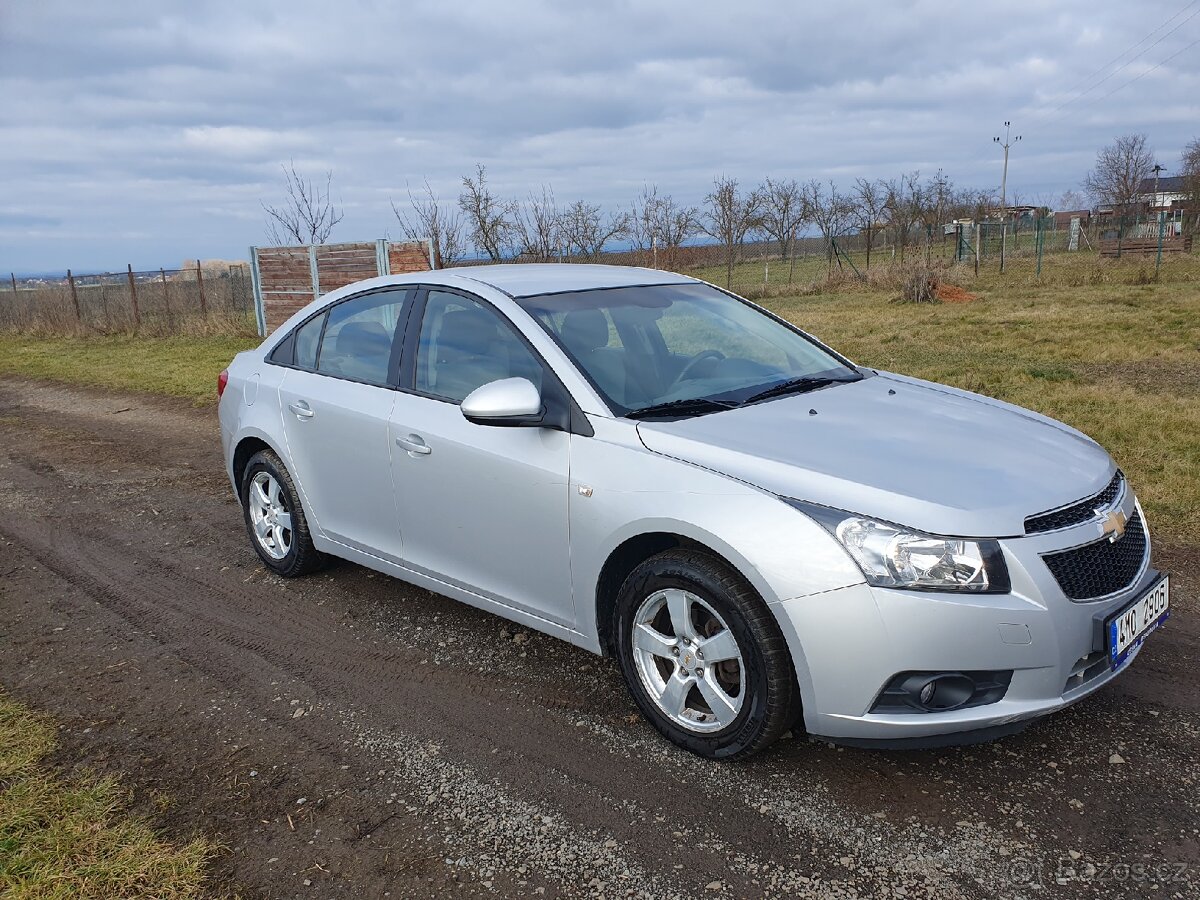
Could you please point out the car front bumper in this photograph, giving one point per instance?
(848, 644)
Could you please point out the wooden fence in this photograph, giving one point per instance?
(288, 278)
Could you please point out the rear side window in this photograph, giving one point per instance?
(358, 339)
(308, 339)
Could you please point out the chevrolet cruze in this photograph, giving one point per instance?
(764, 534)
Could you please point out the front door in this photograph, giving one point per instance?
(481, 507)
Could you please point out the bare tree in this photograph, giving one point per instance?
(1070, 201)
(937, 197)
(905, 200)
(1190, 170)
(657, 223)
(587, 230)
(870, 199)
(307, 215)
(1121, 167)
(832, 213)
(782, 214)
(539, 226)
(430, 220)
(730, 216)
(489, 218)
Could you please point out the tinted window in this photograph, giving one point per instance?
(308, 338)
(464, 344)
(358, 339)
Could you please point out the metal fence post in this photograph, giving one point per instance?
(1162, 226)
(200, 282)
(978, 239)
(166, 297)
(314, 271)
(137, 313)
(74, 296)
(1040, 240)
(13, 276)
(260, 313)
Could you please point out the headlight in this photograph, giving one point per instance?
(892, 556)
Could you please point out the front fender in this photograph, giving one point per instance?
(621, 490)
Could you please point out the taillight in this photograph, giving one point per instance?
(222, 380)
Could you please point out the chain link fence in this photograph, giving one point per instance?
(160, 302)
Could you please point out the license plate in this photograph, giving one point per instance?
(1128, 628)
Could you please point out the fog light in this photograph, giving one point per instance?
(932, 692)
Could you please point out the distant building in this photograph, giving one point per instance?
(1063, 219)
(1168, 192)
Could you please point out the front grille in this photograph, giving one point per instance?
(1076, 512)
(1102, 568)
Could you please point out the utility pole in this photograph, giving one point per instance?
(1156, 170)
(1006, 143)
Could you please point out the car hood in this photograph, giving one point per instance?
(918, 454)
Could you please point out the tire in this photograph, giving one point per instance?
(761, 699)
(286, 551)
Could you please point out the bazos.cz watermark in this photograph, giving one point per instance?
(1074, 869)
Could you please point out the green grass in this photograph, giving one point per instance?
(75, 838)
(181, 366)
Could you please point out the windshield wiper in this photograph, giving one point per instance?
(799, 386)
(692, 406)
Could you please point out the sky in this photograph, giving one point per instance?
(151, 132)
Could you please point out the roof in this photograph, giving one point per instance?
(1170, 184)
(529, 279)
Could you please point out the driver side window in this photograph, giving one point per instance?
(464, 344)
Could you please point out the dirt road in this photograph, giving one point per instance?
(348, 735)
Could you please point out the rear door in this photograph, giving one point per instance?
(481, 507)
(336, 402)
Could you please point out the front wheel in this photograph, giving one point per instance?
(703, 656)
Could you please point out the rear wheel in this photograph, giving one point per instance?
(703, 656)
(275, 519)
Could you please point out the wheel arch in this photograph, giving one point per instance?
(631, 553)
(247, 445)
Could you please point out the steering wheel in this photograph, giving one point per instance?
(692, 363)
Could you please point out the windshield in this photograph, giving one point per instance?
(643, 347)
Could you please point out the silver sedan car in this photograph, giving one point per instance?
(764, 535)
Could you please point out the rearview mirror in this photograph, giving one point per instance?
(511, 402)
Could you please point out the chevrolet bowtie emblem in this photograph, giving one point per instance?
(1113, 525)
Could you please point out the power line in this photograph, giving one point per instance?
(1086, 78)
(1143, 74)
(1092, 75)
(1133, 58)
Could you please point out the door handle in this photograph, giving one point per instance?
(415, 445)
(301, 409)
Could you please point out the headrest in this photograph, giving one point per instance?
(362, 339)
(584, 330)
(468, 331)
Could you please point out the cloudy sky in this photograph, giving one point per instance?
(150, 132)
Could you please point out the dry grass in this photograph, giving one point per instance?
(165, 307)
(75, 838)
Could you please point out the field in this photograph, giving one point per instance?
(347, 734)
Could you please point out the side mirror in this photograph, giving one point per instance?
(509, 402)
